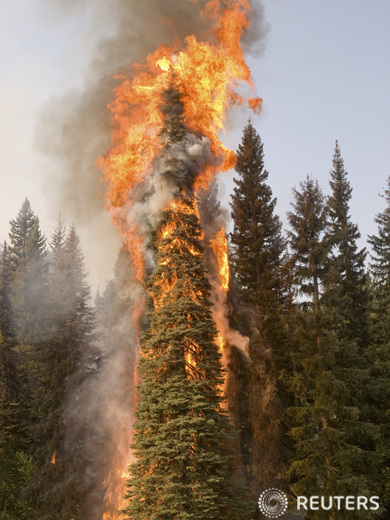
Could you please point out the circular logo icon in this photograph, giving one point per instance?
(273, 503)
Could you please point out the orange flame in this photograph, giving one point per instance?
(208, 75)
(219, 245)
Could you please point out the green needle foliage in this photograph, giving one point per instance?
(333, 434)
(380, 348)
(182, 437)
(257, 259)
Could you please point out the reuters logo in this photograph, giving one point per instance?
(273, 503)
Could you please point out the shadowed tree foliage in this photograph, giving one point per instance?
(16, 467)
(58, 485)
(335, 448)
(379, 355)
(257, 258)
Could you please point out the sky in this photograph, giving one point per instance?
(324, 74)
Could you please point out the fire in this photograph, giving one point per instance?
(53, 457)
(208, 75)
(167, 233)
(219, 245)
(114, 500)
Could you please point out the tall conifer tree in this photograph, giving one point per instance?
(57, 486)
(346, 304)
(346, 287)
(257, 258)
(27, 256)
(380, 350)
(182, 437)
(332, 456)
(308, 255)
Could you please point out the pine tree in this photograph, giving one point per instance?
(181, 435)
(257, 259)
(379, 354)
(257, 244)
(346, 303)
(7, 353)
(306, 240)
(27, 257)
(56, 486)
(27, 313)
(9, 383)
(16, 468)
(346, 291)
(22, 248)
(330, 457)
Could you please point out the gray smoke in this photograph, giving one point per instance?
(74, 130)
(156, 193)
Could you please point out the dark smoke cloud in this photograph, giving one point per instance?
(74, 130)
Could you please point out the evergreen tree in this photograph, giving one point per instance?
(331, 457)
(308, 255)
(27, 257)
(22, 247)
(346, 303)
(257, 245)
(16, 468)
(257, 259)
(8, 361)
(27, 312)
(181, 435)
(346, 291)
(307, 243)
(56, 486)
(380, 350)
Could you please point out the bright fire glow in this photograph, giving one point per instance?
(219, 245)
(208, 75)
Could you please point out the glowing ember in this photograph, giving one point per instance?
(53, 458)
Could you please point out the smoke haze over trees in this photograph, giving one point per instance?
(311, 398)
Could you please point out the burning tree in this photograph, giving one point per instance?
(181, 435)
(167, 114)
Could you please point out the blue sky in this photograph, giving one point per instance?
(324, 75)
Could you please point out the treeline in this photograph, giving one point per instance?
(47, 322)
(316, 309)
(59, 357)
(310, 401)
